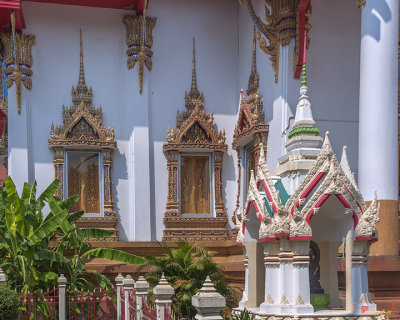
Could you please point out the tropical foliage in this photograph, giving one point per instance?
(186, 268)
(243, 315)
(9, 304)
(39, 240)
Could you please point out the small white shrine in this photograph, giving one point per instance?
(295, 221)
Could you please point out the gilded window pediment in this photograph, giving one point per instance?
(82, 125)
(196, 132)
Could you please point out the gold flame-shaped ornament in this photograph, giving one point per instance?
(18, 60)
(140, 40)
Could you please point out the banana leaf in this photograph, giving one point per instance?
(113, 254)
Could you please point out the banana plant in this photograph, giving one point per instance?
(34, 243)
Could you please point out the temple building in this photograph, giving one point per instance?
(185, 122)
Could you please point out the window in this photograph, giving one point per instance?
(82, 156)
(83, 179)
(195, 185)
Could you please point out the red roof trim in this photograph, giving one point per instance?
(10, 4)
(111, 4)
(302, 37)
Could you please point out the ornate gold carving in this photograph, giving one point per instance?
(195, 133)
(269, 299)
(195, 185)
(299, 300)
(140, 40)
(284, 300)
(18, 61)
(83, 180)
(250, 126)
(82, 128)
(281, 25)
(360, 4)
(251, 114)
(4, 116)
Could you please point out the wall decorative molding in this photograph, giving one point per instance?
(82, 128)
(18, 61)
(194, 133)
(139, 40)
(281, 26)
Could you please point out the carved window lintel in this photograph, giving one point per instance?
(195, 135)
(82, 129)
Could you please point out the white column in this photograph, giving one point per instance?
(301, 277)
(349, 283)
(378, 100)
(357, 261)
(271, 263)
(285, 301)
(246, 280)
(365, 303)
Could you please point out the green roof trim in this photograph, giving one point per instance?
(283, 195)
(304, 130)
(269, 209)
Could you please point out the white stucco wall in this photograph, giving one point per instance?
(223, 55)
(140, 121)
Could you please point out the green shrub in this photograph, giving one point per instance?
(243, 315)
(9, 304)
(186, 268)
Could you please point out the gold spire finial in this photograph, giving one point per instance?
(194, 77)
(194, 97)
(81, 68)
(253, 84)
(81, 92)
(254, 61)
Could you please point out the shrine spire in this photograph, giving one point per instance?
(254, 58)
(253, 84)
(304, 76)
(194, 76)
(304, 123)
(81, 92)
(81, 67)
(194, 97)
